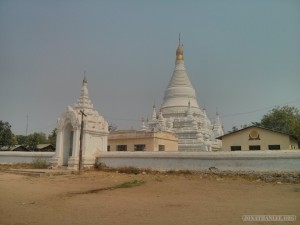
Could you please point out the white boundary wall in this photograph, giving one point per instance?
(283, 160)
(23, 157)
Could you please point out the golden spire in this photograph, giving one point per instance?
(179, 51)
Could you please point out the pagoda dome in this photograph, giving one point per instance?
(179, 53)
(180, 91)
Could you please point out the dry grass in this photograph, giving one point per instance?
(16, 166)
(129, 184)
(274, 177)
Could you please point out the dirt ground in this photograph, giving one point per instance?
(163, 199)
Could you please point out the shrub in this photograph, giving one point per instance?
(40, 163)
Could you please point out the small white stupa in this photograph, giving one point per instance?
(94, 136)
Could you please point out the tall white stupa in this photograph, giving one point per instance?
(180, 113)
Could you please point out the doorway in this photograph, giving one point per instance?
(67, 143)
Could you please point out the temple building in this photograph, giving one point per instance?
(181, 114)
(149, 141)
(94, 133)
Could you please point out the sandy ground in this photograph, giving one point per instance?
(162, 199)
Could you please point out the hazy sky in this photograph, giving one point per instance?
(242, 56)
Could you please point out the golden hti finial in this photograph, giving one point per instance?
(179, 50)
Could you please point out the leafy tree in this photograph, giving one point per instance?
(285, 119)
(52, 137)
(42, 137)
(21, 139)
(14, 139)
(6, 135)
(34, 139)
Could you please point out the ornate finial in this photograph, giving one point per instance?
(84, 77)
(179, 50)
(217, 112)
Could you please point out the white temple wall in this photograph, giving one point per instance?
(93, 144)
(8, 157)
(283, 160)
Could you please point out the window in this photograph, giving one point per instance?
(140, 147)
(235, 148)
(108, 148)
(254, 147)
(122, 148)
(161, 148)
(274, 147)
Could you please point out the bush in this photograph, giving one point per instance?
(40, 163)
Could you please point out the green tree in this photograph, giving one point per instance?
(52, 137)
(42, 137)
(34, 139)
(6, 135)
(285, 119)
(14, 139)
(21, 139)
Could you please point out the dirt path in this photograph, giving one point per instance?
(162, 199)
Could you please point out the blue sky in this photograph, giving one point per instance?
(242, 56)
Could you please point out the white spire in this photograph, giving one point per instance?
(217, 120)
(160, 117)
(218, 128)
(84, 102)
(143, 127)
(154, 116)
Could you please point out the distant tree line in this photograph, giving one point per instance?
(7, 138)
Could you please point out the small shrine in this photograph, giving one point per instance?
(94, 133)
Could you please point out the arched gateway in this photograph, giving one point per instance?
(94, 137)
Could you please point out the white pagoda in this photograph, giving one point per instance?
(180, 113)
(94, 136)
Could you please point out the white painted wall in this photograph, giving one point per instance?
(288, 160)
(24, 157)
